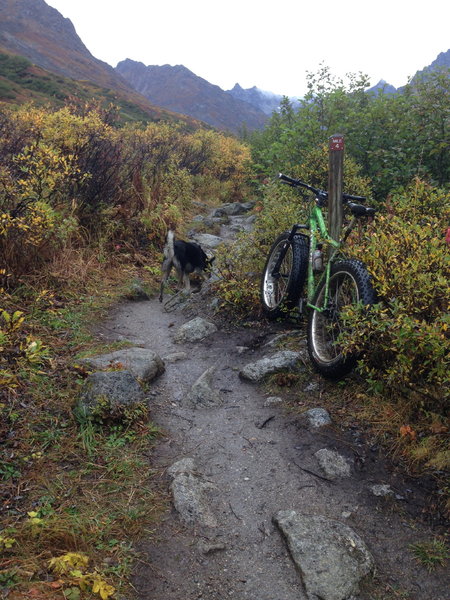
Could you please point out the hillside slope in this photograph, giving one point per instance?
(179, 89)
(34, 30)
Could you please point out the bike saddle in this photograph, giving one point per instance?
(358, 210)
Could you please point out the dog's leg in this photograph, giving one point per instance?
(166, 269)
(179, 273)
(187, 283)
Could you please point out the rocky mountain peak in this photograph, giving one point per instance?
(383, 87)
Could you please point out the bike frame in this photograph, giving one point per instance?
(316, 224)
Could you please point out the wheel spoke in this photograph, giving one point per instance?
(284, 274)
(349, 284)
(342, 292)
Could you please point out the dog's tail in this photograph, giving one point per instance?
(169, 250)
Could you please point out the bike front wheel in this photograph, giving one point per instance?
(281, 288)
(349, 284)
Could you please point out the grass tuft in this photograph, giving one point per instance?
(431, 554)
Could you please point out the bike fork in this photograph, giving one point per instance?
(276, 268)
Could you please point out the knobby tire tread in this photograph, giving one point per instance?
(340, 366)
(300, 257)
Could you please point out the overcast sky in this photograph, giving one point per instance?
(268, 44)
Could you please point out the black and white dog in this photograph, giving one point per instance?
(187, 258)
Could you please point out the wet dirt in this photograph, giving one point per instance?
(259, 460)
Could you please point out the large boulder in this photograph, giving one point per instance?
(142, 363)
(331, 557)
(285, 359)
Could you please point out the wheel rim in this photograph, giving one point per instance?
(327, 325)
(275, 288)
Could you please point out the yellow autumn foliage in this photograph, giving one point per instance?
(68, 176)
(73, 566)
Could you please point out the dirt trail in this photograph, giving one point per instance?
(256, 460)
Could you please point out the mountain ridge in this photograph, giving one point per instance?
(180, 90)
(441, 61)
(38, 32)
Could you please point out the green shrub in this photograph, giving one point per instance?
(6, 90)
(406, 336)
(13, 67)
(68, 177)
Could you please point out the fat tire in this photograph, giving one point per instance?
(349, 282)
(276, 299)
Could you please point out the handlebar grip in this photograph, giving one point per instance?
(287, 179)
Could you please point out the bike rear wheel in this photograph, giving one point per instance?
(349, 283)
(280, 291)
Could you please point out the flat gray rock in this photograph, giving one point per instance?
(273, 401)
(202, 393)
(232, 209)
(207, 240)
(240, 223)
(331, 557)
(190, 494)
(286, 359)
(312, 386)
(318, 417)
(333, 464)
(141, 362)
(195, 330)
(175, 357)
(381, 489)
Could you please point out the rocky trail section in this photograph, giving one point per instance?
(267, 505)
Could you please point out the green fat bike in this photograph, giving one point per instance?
(295, 259)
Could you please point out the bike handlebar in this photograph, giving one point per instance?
(298, 183)
(320, 193)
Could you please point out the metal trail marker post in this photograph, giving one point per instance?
(335, 185)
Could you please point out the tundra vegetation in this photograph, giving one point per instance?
(85, 202)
